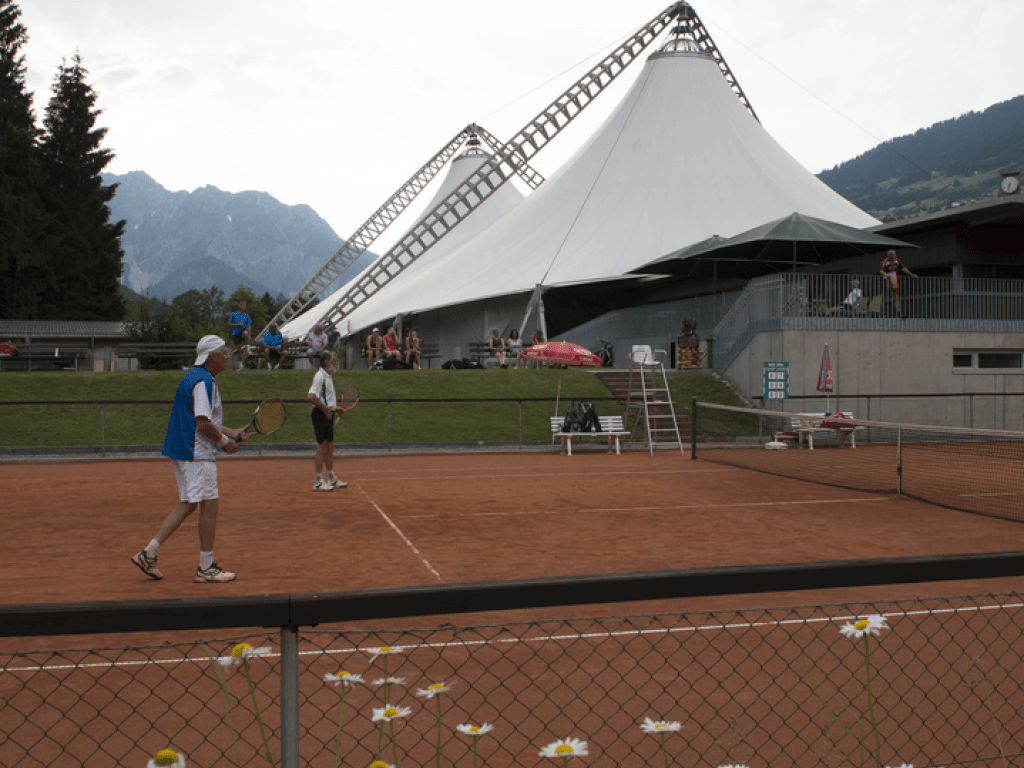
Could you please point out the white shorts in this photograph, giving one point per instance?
(197, 480)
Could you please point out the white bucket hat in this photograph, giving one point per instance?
(206, 345)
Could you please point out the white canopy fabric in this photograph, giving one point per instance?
(679, 160)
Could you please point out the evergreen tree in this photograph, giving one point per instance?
(89, 255)
(27, 231)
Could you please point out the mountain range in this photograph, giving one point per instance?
(175, 241)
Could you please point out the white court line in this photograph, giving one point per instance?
(404, 538)
(539, 639)
(974, 495)
(488, 475)
(655, 509)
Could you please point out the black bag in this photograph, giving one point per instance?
(571, 422)
(589, 421)
(394, 364)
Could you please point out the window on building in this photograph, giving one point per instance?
(988, 360)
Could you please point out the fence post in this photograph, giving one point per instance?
(520, 403)
(899, 461)
(103, 432)
(289, 697)
(389, 426)
(693, 428)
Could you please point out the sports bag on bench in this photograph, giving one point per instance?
(589, 421)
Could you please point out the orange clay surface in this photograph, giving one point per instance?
(71, 528)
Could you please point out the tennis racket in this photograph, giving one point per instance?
(269, 417)
(347, 401)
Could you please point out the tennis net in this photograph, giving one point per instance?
(972, 470)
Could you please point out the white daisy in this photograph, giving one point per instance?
(389, 680)
(243, 652)
(733, 765)
(866, 626)
(435, 690)
(475, 730)
(167, 758)
(565, 748)
(907, 765)
(389, 712)
(661, 726)
(380, 764)
(343, 677)
(384, 650)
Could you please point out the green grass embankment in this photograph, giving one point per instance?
(145, 424)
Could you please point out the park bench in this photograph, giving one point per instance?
(45, 357)
(806, 425)
(612, 428)
(164, 350)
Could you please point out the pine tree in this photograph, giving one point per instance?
(27, 232)
(89, 255)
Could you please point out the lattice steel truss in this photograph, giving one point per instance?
(780, 687)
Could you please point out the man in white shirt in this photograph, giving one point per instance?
(324, 400)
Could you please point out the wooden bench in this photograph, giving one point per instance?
(612, 427)
(174, 350)
(805, 425)
(46, 356)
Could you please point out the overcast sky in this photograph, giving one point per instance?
(335, 103)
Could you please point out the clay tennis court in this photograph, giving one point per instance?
(433, 519)
(447, 518)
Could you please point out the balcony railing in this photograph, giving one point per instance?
(817, 302)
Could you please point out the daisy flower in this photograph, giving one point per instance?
(867, 626)
(390, 712)
(384, 650)
(475, 730)
(565, 748)
(380, 764)
(342, 678)
(242, 653)
(435, 690)
(733, 765)
(389, 681)
(661, 726)
(167, 758)
(907, 765)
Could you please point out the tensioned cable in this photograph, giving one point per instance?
(881, 142)
(600, 173)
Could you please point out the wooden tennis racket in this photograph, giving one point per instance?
(269, 417)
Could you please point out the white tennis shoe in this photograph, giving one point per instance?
(323, 485)
(336, 483)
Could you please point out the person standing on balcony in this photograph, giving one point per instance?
(891, 267)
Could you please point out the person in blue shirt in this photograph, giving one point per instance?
(273, 341)
(194, 433)
(240, 322)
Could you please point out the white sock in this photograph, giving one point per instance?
(205, 560)
(331, 475)
(153, 549)
(319, 477)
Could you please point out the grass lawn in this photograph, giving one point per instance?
(131, 422)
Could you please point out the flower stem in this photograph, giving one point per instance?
(394, 746)
(664, 753)
(871, 703)
(438, 730)
(341, 717)
(380, 740)
(474, 750)
(256, 708)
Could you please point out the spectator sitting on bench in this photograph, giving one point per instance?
(391, 343)
(7, 349)
(515, 348)
(273, 342)
(412, 349)
(316, 342)
(496, 345)
(240, 322)
(374, 347)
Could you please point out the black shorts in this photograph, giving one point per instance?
(238, 337)
(323, 427)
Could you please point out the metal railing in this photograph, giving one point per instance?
(795, 301)
(765, 687)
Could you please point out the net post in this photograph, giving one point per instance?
(693, 428)
(289, 697)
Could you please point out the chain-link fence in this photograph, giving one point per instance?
(939, 684)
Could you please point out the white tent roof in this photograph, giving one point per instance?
(679, 160)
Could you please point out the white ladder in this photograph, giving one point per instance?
(651, 404)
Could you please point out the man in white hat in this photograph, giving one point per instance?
(195, 431)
